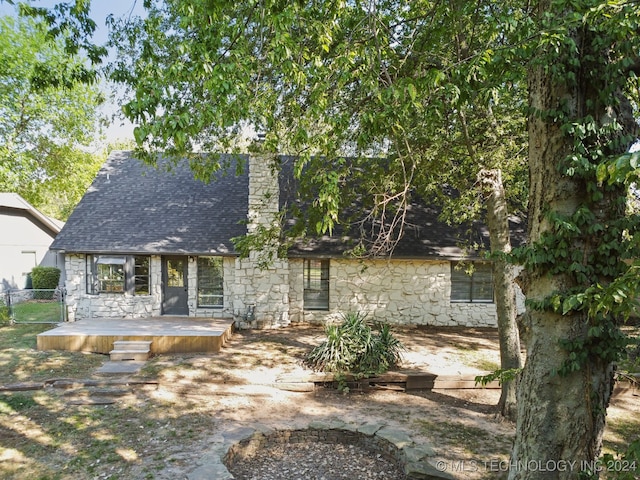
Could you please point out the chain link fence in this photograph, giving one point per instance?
(33, 306)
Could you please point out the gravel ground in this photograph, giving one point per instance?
(317, 461)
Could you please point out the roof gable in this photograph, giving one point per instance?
(14, 204)
(423, 234)
(135, 208)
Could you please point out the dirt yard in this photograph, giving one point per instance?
(238, 386)
(161, 431)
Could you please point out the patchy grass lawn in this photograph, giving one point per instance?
(37, 311)
(21, 362)
(160, 432)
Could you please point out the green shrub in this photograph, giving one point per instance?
(353, 347)
(45, 278)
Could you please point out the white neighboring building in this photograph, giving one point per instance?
(25, 237)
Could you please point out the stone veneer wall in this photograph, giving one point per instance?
(408, 292)
(81, 305)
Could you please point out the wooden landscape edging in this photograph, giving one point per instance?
(404, 381)
(69, 383)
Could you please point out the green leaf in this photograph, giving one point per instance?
(412, 92)
(140, 135)
(601, 172)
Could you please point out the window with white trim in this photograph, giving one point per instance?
(210, 282)
(471, 282)
(118, 274)
(316, 284)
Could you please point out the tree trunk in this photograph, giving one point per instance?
(560, 419)
(503, 283)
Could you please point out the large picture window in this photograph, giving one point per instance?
(472, 283)
(316, 284)
(118, 274)
(210, 282)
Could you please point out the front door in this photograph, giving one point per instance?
(174, 286)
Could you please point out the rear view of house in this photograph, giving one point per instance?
(147, 242)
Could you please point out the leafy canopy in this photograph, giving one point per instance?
(427, 85)
(44, 123)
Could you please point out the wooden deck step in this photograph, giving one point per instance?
(169, 334)
(130, 350)
(132, 344)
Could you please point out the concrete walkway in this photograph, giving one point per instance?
(120, 368)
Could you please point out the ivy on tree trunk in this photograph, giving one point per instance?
(579, 238)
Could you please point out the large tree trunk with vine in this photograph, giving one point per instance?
(562, 396)
(498, 224)
(560, 418)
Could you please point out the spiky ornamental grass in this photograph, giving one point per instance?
(354, 347)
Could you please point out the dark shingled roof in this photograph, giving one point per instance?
(424, 235)
(134, 208)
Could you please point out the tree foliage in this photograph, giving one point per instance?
(70, 25)
(438, 88)
(403, 80)
(432, 88)
(46, 116)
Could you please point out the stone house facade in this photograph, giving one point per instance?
(149, 242)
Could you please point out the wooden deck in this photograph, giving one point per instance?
(167, 334)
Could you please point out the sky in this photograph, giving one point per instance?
(100, 10)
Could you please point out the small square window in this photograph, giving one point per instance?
(109, 274)
(118, 274)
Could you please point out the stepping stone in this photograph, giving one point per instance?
(120, 368)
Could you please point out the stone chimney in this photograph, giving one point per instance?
(261, 298)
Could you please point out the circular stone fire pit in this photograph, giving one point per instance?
(331, 450)
(314, 454)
